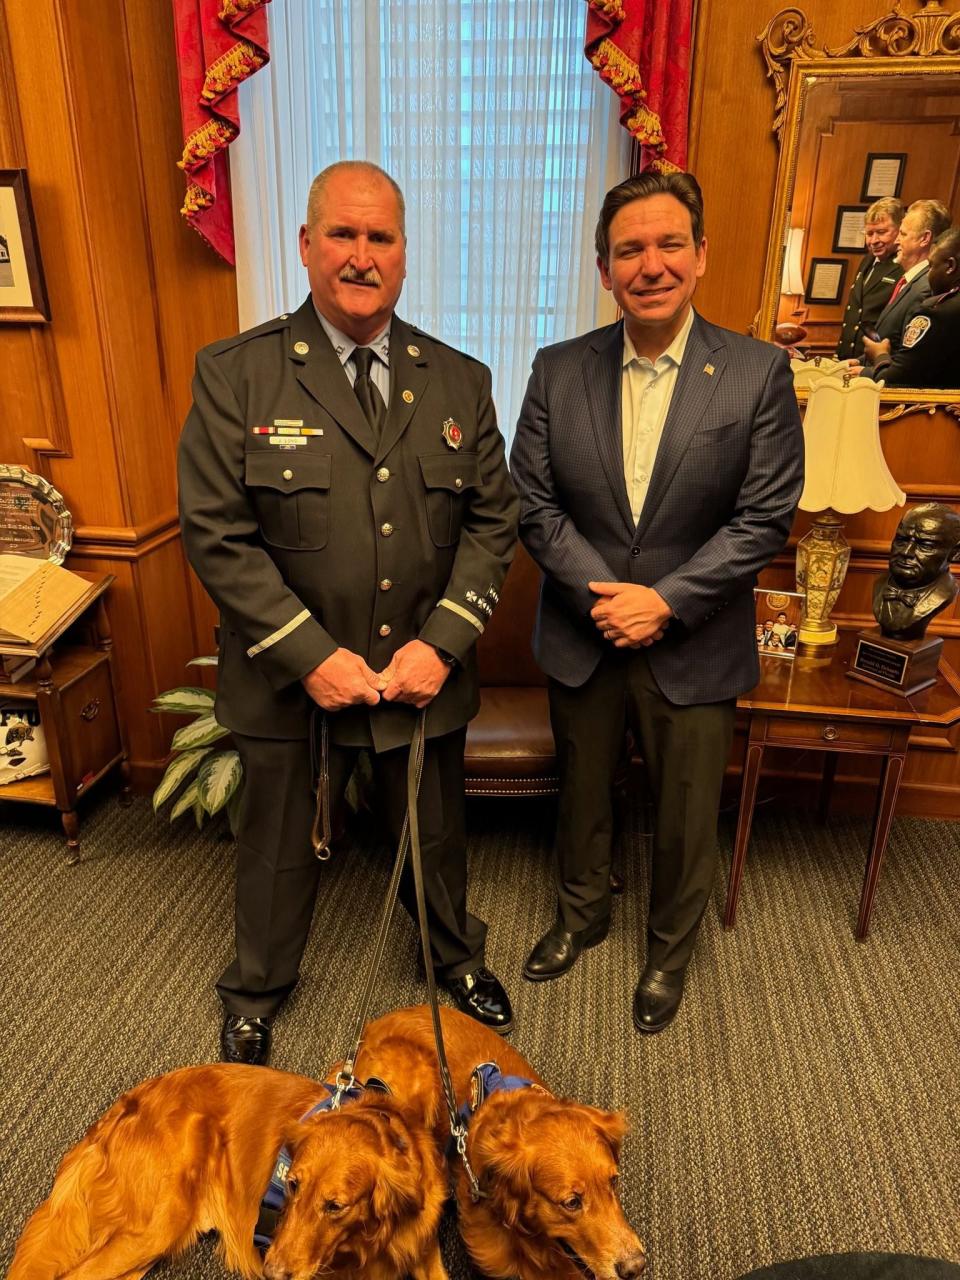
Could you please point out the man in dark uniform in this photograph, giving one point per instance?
(876, 276)
(930, 354)
(345, 501)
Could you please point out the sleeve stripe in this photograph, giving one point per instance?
(464, 613)
(278, 635)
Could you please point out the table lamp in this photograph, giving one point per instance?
(791, 331)
(846, 472)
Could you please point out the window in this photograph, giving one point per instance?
(497, 129)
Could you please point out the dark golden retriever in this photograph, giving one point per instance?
(547, 1167)
(192, 1151)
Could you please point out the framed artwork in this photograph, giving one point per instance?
(825, 280)
(23, 294)
(848, 229)
(778, 622)
(883, 174)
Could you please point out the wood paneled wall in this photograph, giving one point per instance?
(95, 399)
(734, 154)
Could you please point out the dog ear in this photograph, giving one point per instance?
(612, 1126)
(398, 1191)
(500, 1160)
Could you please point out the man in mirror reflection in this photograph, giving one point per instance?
(876, 276)
(928, 356)
(923, 222)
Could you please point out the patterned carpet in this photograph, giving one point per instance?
(805, 1101)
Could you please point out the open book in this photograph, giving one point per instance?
(38, 600)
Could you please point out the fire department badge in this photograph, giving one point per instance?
(452, 434)
(915, 330)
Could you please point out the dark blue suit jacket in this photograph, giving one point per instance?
(721, 501)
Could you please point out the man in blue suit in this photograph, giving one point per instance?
(659, 462)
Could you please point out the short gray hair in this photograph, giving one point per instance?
(365, 168)
(936, 216)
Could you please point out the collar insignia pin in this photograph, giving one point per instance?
(452, 434)
(408, 397)
(301, 348)
(413, 351)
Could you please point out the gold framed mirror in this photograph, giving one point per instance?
(875, 119)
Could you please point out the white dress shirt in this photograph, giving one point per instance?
(646, 391)
(345, 347)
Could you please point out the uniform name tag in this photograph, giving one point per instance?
(287, 442)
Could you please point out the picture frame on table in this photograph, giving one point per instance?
(23, 291)
(778, 615)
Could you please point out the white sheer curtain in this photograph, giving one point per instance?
(499, 132)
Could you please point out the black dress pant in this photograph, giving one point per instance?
(278, 874)
(685, 750)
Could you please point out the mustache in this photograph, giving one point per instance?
(350, 275)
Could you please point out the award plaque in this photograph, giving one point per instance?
(34, 520)
(902, 666)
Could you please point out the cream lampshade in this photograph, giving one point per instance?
(845, 472)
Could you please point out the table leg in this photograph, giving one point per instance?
(890, 777)
(71, 829)
(748, 796)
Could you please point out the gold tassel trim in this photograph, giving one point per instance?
(645, 126)
(205, 142)
(233, 9)
(612, 9)
(623, 76)
(230, 69)
(195, 199)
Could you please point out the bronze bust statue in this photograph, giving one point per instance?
(919, 583)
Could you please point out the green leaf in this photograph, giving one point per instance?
(185, 700)
(200, 733)
(178, 769)
(188, 800)
(218, 778)
(204, 662)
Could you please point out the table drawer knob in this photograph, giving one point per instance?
(831, 733)
(91, 710)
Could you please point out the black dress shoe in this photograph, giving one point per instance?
(245, 1039)
(558, 949)
(657, 999)
(481, 995)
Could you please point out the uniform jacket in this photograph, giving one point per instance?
(342, 540)
(893, 319)
(721, 500)
(930, 354)
(869, 294)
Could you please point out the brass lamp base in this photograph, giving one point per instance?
(822, 558)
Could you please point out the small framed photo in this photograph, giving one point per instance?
(883, 174)
(848, 229)
(778, 622)
(825, 280)
(23, 294)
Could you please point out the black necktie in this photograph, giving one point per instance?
(365, 389)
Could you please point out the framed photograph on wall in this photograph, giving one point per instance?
(883, 175)
(23, 294)
(825, 280)
(848, 229)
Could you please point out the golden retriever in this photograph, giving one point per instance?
(192, 1151)
(547, 1167)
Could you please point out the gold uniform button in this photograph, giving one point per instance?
(386, 529)
(383, 474)
(288, 474)
(458, 483)
(301, 348)
(407, 397)
(385, 630)
(385, 584)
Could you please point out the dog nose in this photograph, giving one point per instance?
(630, 1268)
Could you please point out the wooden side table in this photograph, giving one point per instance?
(810, 704)
(73, 688)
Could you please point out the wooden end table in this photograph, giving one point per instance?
(809, 703)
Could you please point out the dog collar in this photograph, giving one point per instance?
(274, 1198)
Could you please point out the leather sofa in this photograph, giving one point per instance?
(510, 749)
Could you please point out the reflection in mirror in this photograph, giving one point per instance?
(864, 156)
(869, 179)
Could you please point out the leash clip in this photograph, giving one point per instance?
(344, 1082)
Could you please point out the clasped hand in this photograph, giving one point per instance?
(416, 674)
(629, 615)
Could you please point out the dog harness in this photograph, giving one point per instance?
(486, 1079)
(275, 1196)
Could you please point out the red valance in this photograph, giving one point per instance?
(641, 48)
(219, 44)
